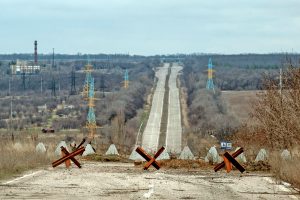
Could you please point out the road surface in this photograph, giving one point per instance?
(174, 129)
(152, 130)
(115, 181)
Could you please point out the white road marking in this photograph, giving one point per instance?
(22, 177)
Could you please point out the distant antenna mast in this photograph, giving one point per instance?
(210, 83)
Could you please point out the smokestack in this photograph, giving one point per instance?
(35, 53)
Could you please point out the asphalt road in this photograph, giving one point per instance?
(152, 129)
(124, 181)
(174, 129)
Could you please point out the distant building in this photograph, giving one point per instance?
(63, 105)
(42, 108)
(24, 67)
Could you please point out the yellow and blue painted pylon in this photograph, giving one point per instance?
(210, 83)
(126, 79)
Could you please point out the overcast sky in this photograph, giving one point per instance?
(150, 27)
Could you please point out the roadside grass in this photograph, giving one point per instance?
(286, 170)
(20, 156)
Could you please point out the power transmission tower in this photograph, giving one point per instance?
(23, 81)
(126, 79)
(210, 83)
(89, 96)
(53, 82)
(102, 85)
(73, 82)
(53, 87)
(41, 84)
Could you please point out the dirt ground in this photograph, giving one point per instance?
(96, 180)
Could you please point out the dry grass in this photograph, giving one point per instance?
(239, 103)
(21, 156)
(287, 170)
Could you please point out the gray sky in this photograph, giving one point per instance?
(150, 27)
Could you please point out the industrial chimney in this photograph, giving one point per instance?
(35, 53)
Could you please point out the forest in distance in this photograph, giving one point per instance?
(232, 72)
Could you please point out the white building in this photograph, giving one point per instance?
(23, 67)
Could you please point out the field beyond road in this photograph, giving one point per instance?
(125, 181)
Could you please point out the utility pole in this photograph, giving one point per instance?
(41, 84)
(280, 81)
(10, 116)
(53, 84)
(23, 81)
(102, 86)
(9, 86)
(53, 87)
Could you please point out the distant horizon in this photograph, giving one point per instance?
(174, 54)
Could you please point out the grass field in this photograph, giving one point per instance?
(239, 102)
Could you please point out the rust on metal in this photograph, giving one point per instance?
(65, 151)
(234, 162)
(149, 159)
(82, 142)
(234, 155)
(231, 158)
(69, 156)
(228, 165)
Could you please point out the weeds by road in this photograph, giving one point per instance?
(21, 156)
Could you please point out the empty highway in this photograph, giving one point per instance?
(152, 129)
(174, 130)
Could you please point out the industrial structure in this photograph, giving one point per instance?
(89, 97)
(126, 79)
(210, 83)
(24, 67)
(35, 53)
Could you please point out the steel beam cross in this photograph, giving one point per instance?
(149, 159)
(230, 159)
(67, 156)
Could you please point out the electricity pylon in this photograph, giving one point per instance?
(210, 83)
(126, 79)
(73, 82)
(89, 96)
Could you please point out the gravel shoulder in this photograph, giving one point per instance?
(97, 180)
